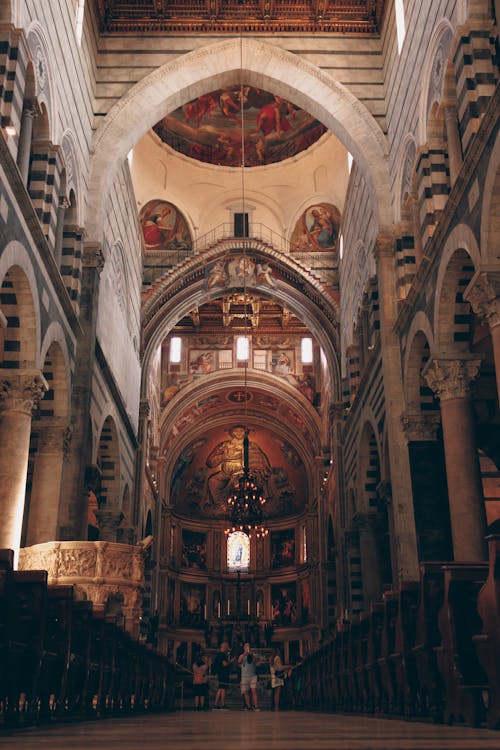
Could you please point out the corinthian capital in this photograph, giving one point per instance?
(22, 391)
(451, 378)
(419, 426)
(53, 436)
(483, 295)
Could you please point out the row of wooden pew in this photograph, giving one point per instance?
(430, 649)
(60, 659)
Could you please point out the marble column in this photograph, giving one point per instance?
(25, 137)
(368, 525)
(483, 294)
(53, 441)
(455, 157)
(402, 521)
(109, 521)
(61, 211)
(20, 393)
(73, 518)
(450, 380)
(417, 228)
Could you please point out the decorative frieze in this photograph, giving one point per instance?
(97, 570)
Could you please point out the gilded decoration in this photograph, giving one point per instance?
(209, 128)
(206, 470)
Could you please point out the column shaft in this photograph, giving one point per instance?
(24, 148)
(454, 143)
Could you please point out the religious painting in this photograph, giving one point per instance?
(284, 603)
(164, 227)
(317, 229)
(194, 549)
(192, 605)
(282, 548)
(238, 551)
(239, 271)
(221, 126)
(207, 469)
(283, 362)
(201, 362)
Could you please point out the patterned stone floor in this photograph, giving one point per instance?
(235, 730)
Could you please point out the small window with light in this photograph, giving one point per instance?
(175, 350)
(306, 351)
(242, 348)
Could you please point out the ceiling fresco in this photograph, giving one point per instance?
(205, 471)
(209, 128)
(240, 16)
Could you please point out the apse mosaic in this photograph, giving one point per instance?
(206, 470)
(317, 229)
(209, 128)
(164, 227)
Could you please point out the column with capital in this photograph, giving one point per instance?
(428, 476)
(483, 293)
(25, 137)
(401, 516)
(450, 380)
(20, 393)
(54, 436)
(73, 518)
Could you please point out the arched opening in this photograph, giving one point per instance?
(20, 335)
(109, 514)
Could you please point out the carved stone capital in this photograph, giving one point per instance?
(54, 436)
(22, 391)
(384, 491)
(483, 295)
(337, 412)
(384, 247)
(419, 426)
(451, 378)
(64, 203)
(144, 409)
(92, 256)
(108, 521)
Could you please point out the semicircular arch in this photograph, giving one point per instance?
(215, 66)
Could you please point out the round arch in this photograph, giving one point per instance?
(186, 288)
(215, 66)
(490, 214)
(419, 334)
(433, 76)
(44, 82)
(17, 276)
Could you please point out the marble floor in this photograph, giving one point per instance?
(235, 730)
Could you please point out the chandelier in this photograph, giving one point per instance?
(246, 501)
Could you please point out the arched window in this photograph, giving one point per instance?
(400, 22)
(80, 11)
(238, 551)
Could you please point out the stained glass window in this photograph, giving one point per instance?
(238, 551)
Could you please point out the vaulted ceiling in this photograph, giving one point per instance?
(241, 16)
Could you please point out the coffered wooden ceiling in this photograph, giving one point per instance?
(240, 16)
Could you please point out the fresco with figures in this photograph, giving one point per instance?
(317, 229)
(209, 128)
(206, 469)
(164, 228)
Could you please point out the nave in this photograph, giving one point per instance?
(235, 730)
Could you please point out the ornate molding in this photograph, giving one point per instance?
(419, 426)
(483, 295)
(22, 391)
(451, 378)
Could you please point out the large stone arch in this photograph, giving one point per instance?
(459, 261)
(184, 289)
(44, 81)
(418, 350)
(434, 74)
(19, 302)
(490, 215)
(220, 64)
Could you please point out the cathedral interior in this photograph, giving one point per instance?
(250, 353)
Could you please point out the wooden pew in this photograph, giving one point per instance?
(373, 652)
(487, 643)
(463, 677)
(390, 603)
(430, 686)
(56, 651)
(24, 638)
(403, 658)
(75, 689)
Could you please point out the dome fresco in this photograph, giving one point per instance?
(209, 128)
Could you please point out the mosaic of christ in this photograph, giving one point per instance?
(209, 128)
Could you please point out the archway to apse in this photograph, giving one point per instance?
(218, 65)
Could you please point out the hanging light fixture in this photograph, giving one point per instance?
(247, 499)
